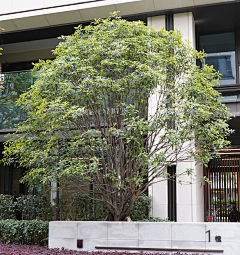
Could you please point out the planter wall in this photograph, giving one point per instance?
(145, 235)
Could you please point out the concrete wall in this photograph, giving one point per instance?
(145, 235)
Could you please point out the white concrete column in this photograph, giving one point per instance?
(53, 195)
(158, 191)
(190, 197)
(158, 22)
(186, 24)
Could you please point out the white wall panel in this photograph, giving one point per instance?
(202, 2)
(172, 4)
(25, 21)
(158, 22)
(126, 231)
(52, 3)
(19, 6)
(96, 10)
(190, 197)
(7, 24)
(95, 229)
(63, 17)
(135, 6)
(5, 6)
(154, 244)
(185, 23)
(158, 194)
(151, 232)
(149, 235)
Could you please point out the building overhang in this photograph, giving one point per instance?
(21, 15)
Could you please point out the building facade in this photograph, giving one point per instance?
(31, 31)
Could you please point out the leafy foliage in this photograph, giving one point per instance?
(24, 232)
(11, 249)
(141, 208)
(77, 207)
(155, 219)
(80, 207)
(12, 86)
(84, 208)
(27, 207)
(7, 207)
(30, 207)
(1, 48)
(34, 207)
(121, 102)
(45, 211)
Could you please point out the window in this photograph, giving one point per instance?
(221, 54)
(172, 194)
(228, 96)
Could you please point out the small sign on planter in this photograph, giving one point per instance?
(79, 243)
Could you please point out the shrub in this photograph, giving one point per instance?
(7, 207)
(26, 205)
(63, 206)
(24, 232)
(34, 207)
(141, 208)
(82, 208)
(77, 207)
(29, 250)
(44, 208)
(156, 219)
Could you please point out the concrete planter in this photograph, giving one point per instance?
(69, 234)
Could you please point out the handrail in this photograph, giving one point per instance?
(157, 249)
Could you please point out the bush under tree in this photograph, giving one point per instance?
(24, 232)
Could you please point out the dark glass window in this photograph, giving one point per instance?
(220, 49)
(228, 96)
(12, 86)
(172, 194)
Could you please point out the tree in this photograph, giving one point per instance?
(12, 86)
(120, 103)
(1, 48)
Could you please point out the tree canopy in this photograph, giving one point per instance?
(12, 86)
(119, 104)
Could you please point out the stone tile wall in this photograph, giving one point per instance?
(145, 235)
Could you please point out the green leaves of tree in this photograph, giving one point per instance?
(120, 102)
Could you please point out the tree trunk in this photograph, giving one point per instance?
(109, 217)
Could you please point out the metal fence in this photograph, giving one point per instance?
(221, 194)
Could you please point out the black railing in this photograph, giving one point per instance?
(221, 194)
